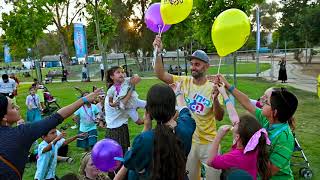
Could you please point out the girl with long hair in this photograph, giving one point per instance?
(161, 153)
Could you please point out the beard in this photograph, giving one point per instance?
(197, 75)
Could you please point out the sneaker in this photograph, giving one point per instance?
(74, 127)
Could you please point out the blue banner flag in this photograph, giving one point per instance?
(7, 56)
(80, 42)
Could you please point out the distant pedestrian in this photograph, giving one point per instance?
(84, 73)
(282, 71)
(102, 70)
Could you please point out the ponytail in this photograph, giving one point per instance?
(169, 160)
(292, 123)
(263, 159)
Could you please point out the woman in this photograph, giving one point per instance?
(276, 115)
(161, 153)
(282, 71)
(88, 170)
(16, 141)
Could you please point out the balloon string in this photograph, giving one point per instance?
(219, 66)
(160, 30)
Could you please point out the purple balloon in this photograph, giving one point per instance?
(103, 154)
(154, 20)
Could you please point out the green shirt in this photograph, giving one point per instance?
(282, 144)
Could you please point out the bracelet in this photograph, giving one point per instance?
(85, 100)
(226, 101)
(231, 89)
(178, 93)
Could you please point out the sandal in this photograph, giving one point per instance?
(70, 160)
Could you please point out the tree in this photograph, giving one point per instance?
(24, 26)
(268, 19)
(61, 18)
(49, 44)
(206, 11)
(101, 24)
(300, 24)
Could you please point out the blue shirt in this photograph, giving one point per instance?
(139, 157)
(87, 117)
(47, 162)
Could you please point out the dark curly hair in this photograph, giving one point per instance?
(110, 73)
(169, 160)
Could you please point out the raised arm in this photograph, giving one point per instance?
(159, 69)
(35, 130)
(241, 97)
(233, 115)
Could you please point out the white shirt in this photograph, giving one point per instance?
(8, 87)
(101, 66)
(114, 117)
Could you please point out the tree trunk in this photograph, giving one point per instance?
(101, 46)
(65, 49)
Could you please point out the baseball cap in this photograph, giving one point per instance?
(200, 55)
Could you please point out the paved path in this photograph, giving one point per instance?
(295, 77)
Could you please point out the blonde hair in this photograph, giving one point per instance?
(83, 164)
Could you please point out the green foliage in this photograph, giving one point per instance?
(24, 26)
(300, 22)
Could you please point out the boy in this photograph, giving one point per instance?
(48, 152)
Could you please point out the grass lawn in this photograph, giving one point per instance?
(307, 118)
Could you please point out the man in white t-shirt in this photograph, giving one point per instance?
(102, 71)
(7, 85)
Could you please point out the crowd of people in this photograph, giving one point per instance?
(185, 136)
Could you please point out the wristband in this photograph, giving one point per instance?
(85, 100)
(226, 101)
(231, 89)
(178, 93)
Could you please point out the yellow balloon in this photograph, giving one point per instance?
(175, 11)
(230, 31)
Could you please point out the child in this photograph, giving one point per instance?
(276, 116)
(161, 153)
(48, 152)
(87, 115)
(249, 144)
(34, 107)
(40, 93)
(118, 92)
(121, 93)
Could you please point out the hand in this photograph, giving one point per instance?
(213, 78)
(157, 43)
(221, 88)
(223, 80)
(82, 135)
(215, 92)
(92, 96)
(135, 79)
(176, 87)
(223, 131)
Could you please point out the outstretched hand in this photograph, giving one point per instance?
(92, 96)
(223, 130)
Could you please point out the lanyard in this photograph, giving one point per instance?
(92, 116)
(284, 127)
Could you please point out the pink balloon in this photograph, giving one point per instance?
(103, 154)
(154, 20)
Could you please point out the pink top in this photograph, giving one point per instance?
(237, 159)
